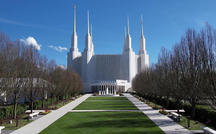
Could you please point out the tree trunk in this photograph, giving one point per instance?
(193, 106)
(31, 99)
(32, 106)
(51, 99)
(1, 122)
(17, 122)
(43, 104)
(167, 102)
(43, 98)
(59, 98)
(177, 103)
(15, 106)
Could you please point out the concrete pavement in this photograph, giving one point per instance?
(165, 123)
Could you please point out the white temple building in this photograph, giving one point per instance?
(106, 74)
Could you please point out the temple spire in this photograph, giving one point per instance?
(91, 30)
(128, 26)
(141, 26)
(74, 19)
(88, 24)
(142, 40)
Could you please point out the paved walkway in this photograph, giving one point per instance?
(7, 131)
(164, 122)
(105, 111)
(38, 125)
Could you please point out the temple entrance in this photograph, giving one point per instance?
(107, 88)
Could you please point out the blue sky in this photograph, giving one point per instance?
(50, 23)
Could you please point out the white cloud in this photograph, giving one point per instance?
(58, 48)
(31, 42)
(62, 67)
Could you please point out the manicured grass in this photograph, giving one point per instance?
(103, 123)
(22, 122)
(107, 98)
(106, 103)
(195, 125)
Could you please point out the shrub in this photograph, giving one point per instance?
(7, 111)
(37, 104)
(203, 113)
(162, 111)
(45, 113)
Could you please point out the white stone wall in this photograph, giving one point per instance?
(124, 67)
(107, 67)
(133, 66)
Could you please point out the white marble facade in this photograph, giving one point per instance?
(95, 69)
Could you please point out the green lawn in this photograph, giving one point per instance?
(21, 122)
(195, 125)
(103, 123)
(107, 98)
(106, 103)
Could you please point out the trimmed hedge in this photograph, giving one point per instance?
(203, 113)
(7, 111)
(163, 102)
(38, 103)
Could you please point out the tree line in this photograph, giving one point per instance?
(186, 73)
(24, 73)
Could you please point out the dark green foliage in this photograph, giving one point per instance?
(37, 104)
(7, 111)
(163, 101)
(203, 114)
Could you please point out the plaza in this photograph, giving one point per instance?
(104, 114)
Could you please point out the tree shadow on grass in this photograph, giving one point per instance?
(119, 126)
(118, 115)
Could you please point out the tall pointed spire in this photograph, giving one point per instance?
(128, 26)
(74, 49)
(127, 43)
(88, 24)
(142, 40)
(92, 45)
(141, 26)
(74, 19)
(91, 30)
(88, 36)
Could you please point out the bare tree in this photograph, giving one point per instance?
(187, 72)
